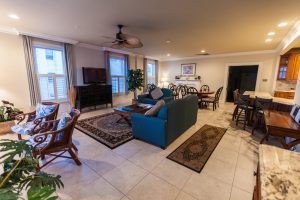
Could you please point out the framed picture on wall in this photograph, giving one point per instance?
(188, 69)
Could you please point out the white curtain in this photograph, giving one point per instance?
(34, 89)
(156, 72)
(145, 75)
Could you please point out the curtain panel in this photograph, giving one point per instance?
(156, 71)
(107, 67)
(126, 72)
(69, 64)
(145, 75)
(34, 89)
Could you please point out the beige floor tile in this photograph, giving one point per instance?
(95, 190)
(125, 176)
(104, 162)
(238, 194)
(185, 196)
(147, 159)
(125, 198)
(220, 170)
(172, 172)
(244, 179)
(152, 187)
(129, 149)
(247, 161)
(225, 155)
(230, 142)
(204, 187)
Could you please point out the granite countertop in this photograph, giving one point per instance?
(279, 173)
(267, 95)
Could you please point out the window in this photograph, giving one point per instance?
(118, 73)
(151, 72)
(282, 72)
(50, 69)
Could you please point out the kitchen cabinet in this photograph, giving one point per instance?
(283, 94)
(289, 67)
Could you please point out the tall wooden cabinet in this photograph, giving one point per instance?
(289, 66)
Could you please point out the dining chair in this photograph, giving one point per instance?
(56, 141)
(243, 110)
(235, 96)
(27, 123)
(213, 100)
(175, 91)
(260, 105)
(192, 90)
(183, 90)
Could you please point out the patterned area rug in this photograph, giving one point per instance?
(106, 129)
(196, 150)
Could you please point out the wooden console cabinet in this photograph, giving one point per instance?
(93, 95)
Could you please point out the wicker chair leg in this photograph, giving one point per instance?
(74, 157)
(74, 147)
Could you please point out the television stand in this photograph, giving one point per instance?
(93, 95)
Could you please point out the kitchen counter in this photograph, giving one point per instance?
(279, 173)
(267, 95)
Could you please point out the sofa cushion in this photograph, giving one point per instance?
(24, 128)
(156, 93)
(155, 109)
(64, 120)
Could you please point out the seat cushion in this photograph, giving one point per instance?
(156, 93)
(65, 118)
(23, 129)
(44, 110)
(41, 145)
(155, 109)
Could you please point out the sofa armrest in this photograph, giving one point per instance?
(149, 129)
(168, 99)
(143, 96)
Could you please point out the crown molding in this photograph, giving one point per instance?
(8, 30)
(221, 55)
(290, 37)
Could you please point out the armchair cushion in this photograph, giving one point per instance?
(44, 110)
(64, 120)
(156, 93)
(23, 129)
(39, 146)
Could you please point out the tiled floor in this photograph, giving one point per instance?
(140, 171)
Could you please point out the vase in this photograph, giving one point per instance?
(5, 126)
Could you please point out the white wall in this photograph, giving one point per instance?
(13, 76)
(213, 70)
(86, 57)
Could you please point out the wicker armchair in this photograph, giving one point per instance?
(31, 117)
(55, 142)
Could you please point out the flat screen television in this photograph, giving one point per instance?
(93, 75)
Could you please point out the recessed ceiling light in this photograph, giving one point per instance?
(268, 40)
(271, 33)
(13, 16)
(203, 51)
(168, 41)
(282, 24)
(168, 54)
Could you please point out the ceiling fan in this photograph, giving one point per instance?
(125, 41)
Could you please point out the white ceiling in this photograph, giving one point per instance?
(219, 26)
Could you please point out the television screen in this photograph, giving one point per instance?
(93, 75)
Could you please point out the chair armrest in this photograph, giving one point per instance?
(47, 126)
(22, 116)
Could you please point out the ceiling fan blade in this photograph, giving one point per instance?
(117, 46)
(132, 46)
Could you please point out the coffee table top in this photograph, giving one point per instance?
(140, 107)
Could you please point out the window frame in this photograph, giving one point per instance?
(149, 61)
(52, 75)
(121, 57)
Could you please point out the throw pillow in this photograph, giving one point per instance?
(156, 93)
(155, 109)
(64, 119)
(44, 110)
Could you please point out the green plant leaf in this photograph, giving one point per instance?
(8, 194)
(12, 148)
(41, 193)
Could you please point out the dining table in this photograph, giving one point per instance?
(282, 125)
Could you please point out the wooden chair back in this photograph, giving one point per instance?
(204, 88)
(235, 95)
(183, 90)
(192, 90)
(263, 104)
(218, 94)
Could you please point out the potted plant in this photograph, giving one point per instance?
(135, 81)
(19, 176)
(7, 116)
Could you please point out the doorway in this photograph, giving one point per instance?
(242, 78)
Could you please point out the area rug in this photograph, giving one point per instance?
(196, 150)
(107, 129)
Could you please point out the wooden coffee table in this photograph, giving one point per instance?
(125, 111)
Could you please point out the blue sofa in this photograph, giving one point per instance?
(173, 119)
(146, 98)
